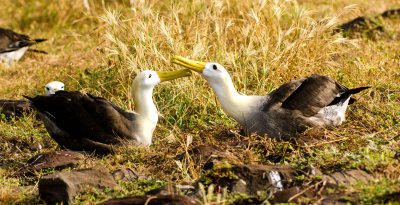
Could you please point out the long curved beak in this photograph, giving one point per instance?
(170, 75)
(197, 66)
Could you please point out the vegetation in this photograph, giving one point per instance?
(99, 46)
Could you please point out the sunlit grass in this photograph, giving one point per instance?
(100, 46)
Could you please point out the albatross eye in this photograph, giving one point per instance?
(215, 67)
(47, 88)
(150, 76)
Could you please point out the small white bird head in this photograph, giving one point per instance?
(214, 73)
(149, 78)
(53, 87)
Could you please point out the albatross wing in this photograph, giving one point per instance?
(83, 122)
(14, 45)
(314, 93)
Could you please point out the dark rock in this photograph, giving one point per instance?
(124, 174)
(53, 159)
(61, 187)
(173, 189)
(259, 177)
(347, 177)
(153, 200)
(249, 179)
(293, 194)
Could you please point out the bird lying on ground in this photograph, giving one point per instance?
(14, 45)
(315, 101)
(83, 122)
(17, 108)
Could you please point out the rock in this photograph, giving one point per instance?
(153, 200)
(124, 174)
(173, 189)
(249, 179)
(260, 177)
(53, 159)
(290, 194)
(61, 187)
(347, 177)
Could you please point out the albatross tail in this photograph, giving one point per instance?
(343, 96)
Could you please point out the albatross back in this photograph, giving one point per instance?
(83, 122)
(308, 102)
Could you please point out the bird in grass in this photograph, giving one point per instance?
(83, 122)
(13, 45)
(315, 101)
(17, 108)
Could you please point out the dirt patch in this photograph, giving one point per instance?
(53, 159)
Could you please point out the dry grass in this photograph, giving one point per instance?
(99, 46)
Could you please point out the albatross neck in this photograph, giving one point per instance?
(234, 104)
(144, 104)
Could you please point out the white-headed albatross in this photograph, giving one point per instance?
(288, 110)
(13, 45)
(83, 122)
(17, 108)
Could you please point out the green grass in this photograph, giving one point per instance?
(99, 49)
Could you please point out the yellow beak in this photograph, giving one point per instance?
(170, 75)
(197, 66)
(55, 89)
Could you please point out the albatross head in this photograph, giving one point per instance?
(148, 79)
(214, 73)
(143, 84)
(53, 87)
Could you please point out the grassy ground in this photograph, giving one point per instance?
(99, 46)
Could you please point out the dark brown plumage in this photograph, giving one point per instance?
(12, 41)
(83, 122)
(14, 45)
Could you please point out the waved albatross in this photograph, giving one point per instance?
(17, 108)
(285, 112)
(13, 45)
(83, 122)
